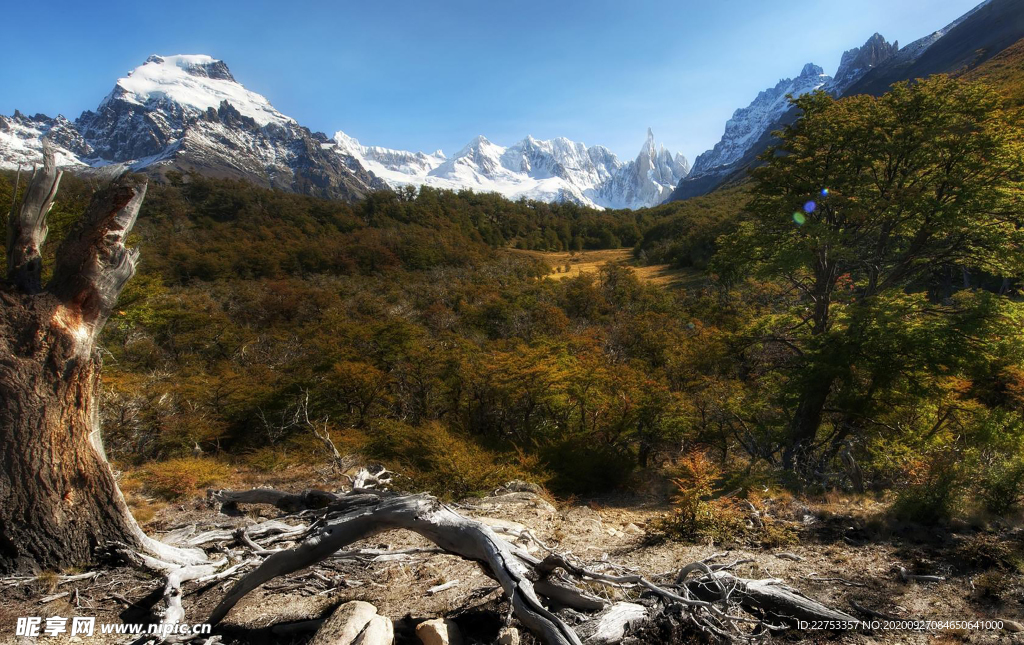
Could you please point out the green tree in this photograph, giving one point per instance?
(866, 197)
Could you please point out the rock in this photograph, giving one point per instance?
(585, 517)
(633, 529)
(1012, 626)
(379, 631)
(439, 631)
(508, 636)
(346, 624)
(518, 486)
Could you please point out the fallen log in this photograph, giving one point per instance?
(712, 597)
(710, 592)
(426, 516)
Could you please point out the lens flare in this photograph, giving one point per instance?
(824, 192)
(809, 207)
(799, 218)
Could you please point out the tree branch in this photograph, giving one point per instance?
(26, 231)
(93, 263)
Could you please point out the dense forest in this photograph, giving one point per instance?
(853, 321)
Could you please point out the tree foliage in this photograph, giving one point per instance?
(887, 222)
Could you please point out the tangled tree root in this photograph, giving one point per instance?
(707, 595)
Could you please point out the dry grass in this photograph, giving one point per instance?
(664, 275)
(570, 264)
(177, 478)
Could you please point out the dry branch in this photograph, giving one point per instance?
(709, 592)
(26, 230)
(710, 595)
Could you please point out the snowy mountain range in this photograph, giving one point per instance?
(749, 124)
(188, 112)
(558, 170)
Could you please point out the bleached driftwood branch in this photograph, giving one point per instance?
(714, 599)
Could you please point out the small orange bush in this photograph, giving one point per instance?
(177, 478)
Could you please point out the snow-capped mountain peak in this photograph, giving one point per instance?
(478, 161)
(648, 148)
(187, 112)
(21, 140)
(393, 166)
(194, 82)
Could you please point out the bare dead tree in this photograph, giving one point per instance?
(58, 497)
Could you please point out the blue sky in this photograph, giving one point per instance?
(428, 75)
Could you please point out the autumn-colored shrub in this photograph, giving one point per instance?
(178, 478)
(1002, 485)
(430, 457)
(934, 492)
(697, 515)
(267, 460)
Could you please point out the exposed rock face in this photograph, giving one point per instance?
(858, 61)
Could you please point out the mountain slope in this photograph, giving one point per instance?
(557, 170)
(748, 124)
(964, 44)
(1005, 72)
(977, 36)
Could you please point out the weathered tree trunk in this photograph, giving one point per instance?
(58, 496)
(806, 421)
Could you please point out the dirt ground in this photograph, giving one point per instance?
(844, 552)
